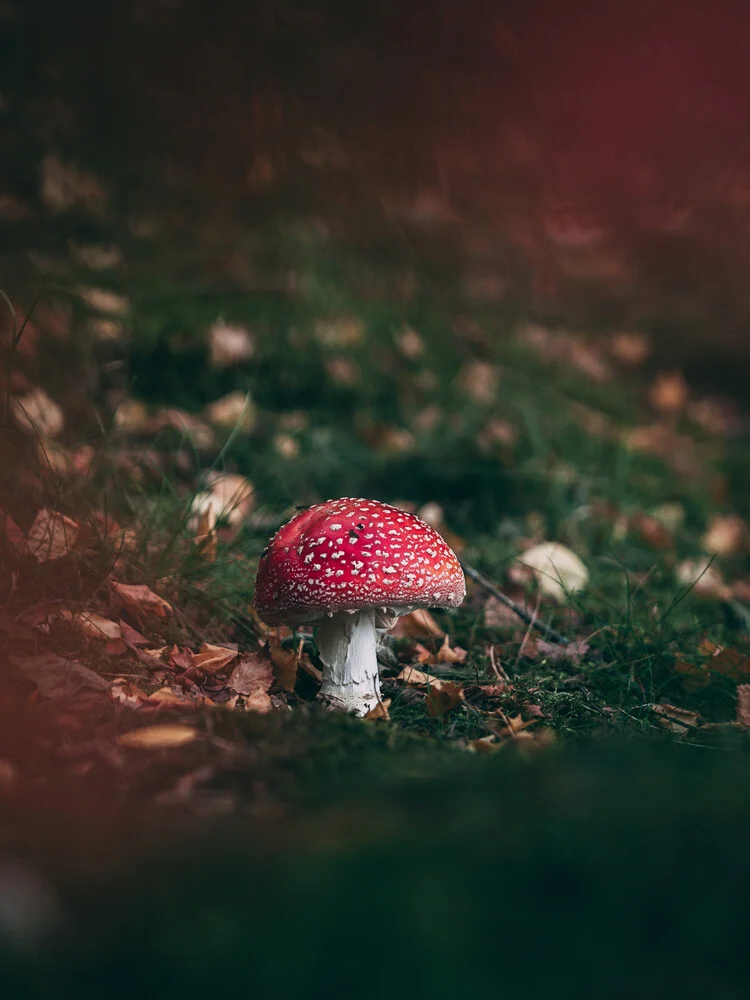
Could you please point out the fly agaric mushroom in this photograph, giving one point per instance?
(351, 568)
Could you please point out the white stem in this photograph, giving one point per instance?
(347, 645)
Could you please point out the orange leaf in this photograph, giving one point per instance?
(285, 664)
(440, 702)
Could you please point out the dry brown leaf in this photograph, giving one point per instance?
(410, 675)
(285, 664)
(13, 534)
(514, 726)
(450, 654)
(213, 659)
(152, 657)
(730, 663)
(141, 601)
(253, 673)
(380, 711)
(91, 625)
(169, 696)
(131, 635)
(52, 535)
(126, 693)
(441, 701)
(677, 720)
(158, 737)
(693, 676)
(259, 702)
(58, 677)
(416, 625)
(743, 705)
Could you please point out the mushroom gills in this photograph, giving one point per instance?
(347, 644)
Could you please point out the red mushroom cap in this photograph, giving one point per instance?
(346, 555)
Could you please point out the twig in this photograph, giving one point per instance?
(547, 631)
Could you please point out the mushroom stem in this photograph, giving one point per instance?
(347, 644)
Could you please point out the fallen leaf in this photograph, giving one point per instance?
(441, 700)
(259, 702)
(193, 428)
(668, 393)
(58, 677)
(677, 720)
(151, 657)
(557, 569)
(499, 615)
(126, 693)
(380, 711)
(235, 410)
(158, 737)
(103, 300)
(730, 663)
(168, 696)
(141, 601)
(556, 652)
(92, 625)
(253, 673)
(702, 577)
(485, 745)
(13, 534)
(743, 705)
(480, 381)
(726, 535)
(450, 654)
(37, 414)
(693, 676)
(229, 345)
(630, 348)
(132, 636)
(52, 535)
(513, 726)
(410, 675)
(416, 625)
(213, 659)
(285, 664)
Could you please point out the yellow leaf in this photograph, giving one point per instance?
(158, 737)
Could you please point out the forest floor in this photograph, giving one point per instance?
(175, 386)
